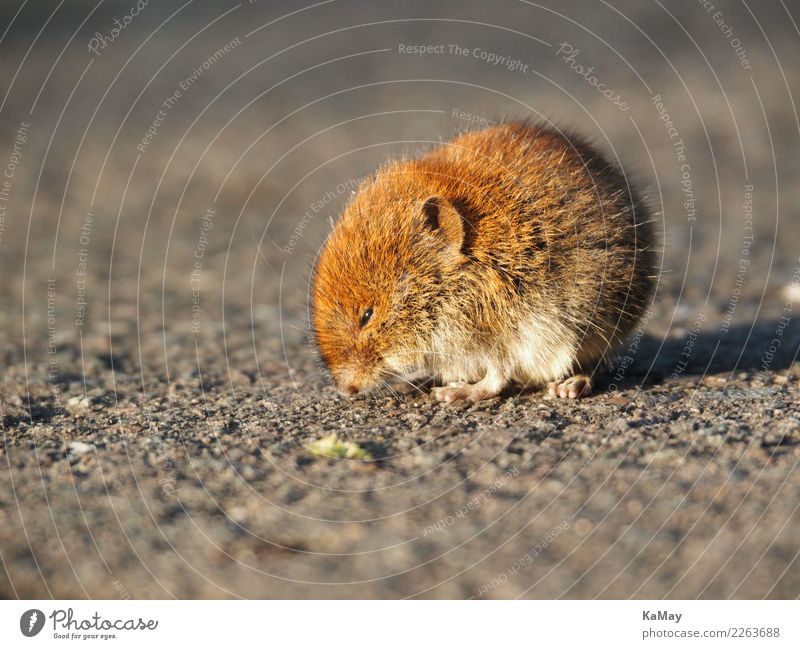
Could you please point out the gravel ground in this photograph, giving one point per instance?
(159, 391)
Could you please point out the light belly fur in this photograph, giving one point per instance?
(539, 350)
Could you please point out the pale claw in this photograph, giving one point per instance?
(574, 387)
(467, 391)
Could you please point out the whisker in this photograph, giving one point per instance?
(389, 387)
(404, 379)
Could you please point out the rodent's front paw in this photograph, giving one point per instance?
(467, 391)
(574, 387)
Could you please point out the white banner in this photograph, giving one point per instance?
(405, 624)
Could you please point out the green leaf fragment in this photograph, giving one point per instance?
(333, 447)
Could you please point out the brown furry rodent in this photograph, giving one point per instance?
(508, 254)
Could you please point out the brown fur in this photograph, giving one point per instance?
(510, 253)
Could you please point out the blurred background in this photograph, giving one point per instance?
(319, 96)
(170, 172)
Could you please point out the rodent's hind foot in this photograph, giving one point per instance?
(466, 391)
(574, 387)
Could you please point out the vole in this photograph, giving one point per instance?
(510, 254)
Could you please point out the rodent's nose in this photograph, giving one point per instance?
(352, 389)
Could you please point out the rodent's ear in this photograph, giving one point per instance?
(443, 219)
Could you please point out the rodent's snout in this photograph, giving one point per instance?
(351, 389)
(353, 380)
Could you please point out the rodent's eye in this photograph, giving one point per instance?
(365, 317)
